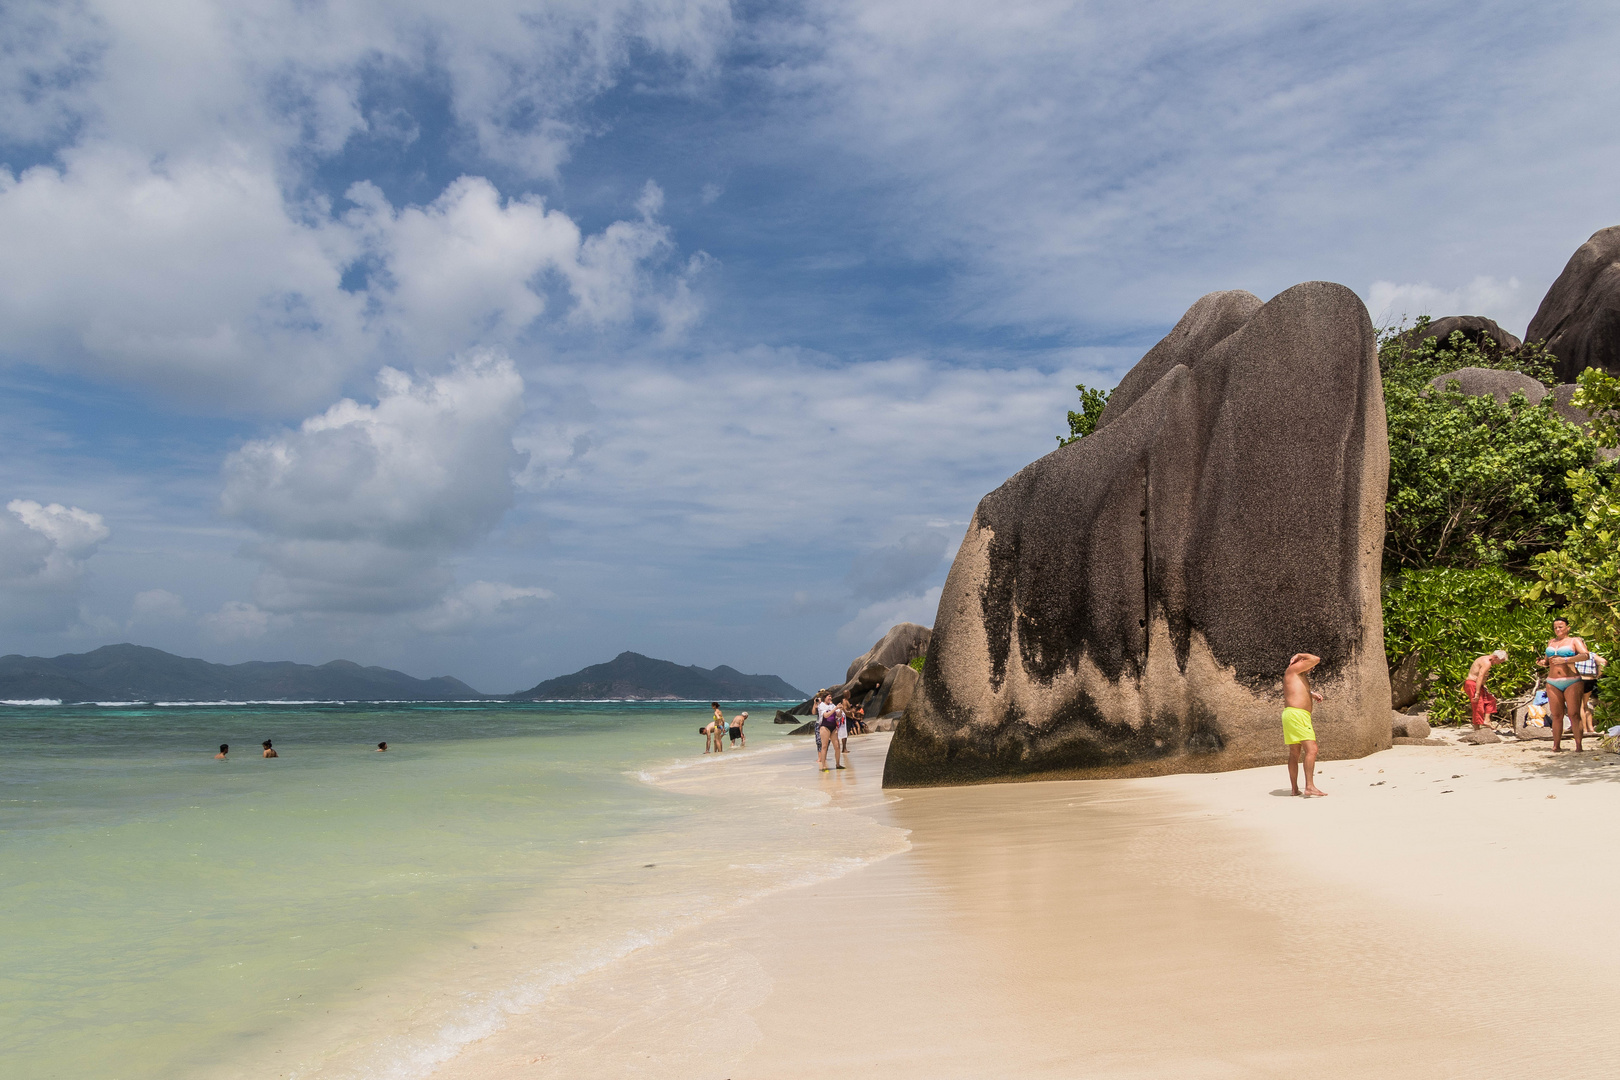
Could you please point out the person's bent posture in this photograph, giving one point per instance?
(1481, 703)
(1298, 731)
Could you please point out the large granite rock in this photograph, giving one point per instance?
(1492, 382)
(901, 645)
(899, 686)
(1125, 606)
(1491, 338)
(1579, 318)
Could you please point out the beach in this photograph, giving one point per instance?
(1440, 913)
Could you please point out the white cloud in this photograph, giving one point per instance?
(236, 621)
(156, 607)
(874, 620)
(484, 605)
(43, 550)
(358, 507)
(1507, 302)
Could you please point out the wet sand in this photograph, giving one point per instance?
(1437, 916)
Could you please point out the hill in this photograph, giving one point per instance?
(633, 676)
(137, 673)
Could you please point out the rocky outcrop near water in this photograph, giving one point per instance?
(1125, 606)
(1579, 318)
(875, 680)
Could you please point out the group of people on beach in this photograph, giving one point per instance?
(717, 730)
(1573, 670)
(270, 751)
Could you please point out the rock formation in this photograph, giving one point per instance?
(1483, 332)
(873, 676)
(1125, 606)
(1579, 318)
(1493, 382)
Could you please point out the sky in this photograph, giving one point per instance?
(491, 339)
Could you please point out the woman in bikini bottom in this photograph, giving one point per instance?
(1564, 684)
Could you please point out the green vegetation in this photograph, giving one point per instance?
(1084, 422)
(1496, 514)
(918, 663)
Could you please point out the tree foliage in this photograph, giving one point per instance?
(1472, 482)
(1585, 572)
(1084, 422)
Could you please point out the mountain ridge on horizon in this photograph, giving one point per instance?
(632, 676)
(127, 672)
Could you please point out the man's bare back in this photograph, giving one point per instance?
(1480, 669)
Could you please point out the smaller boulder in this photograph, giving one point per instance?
(804, 729)
(1489, 382)
(1481, 736)
(1409, 727)
(784, 718)
(1483, 332)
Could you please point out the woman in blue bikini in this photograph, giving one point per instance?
(1564, 682)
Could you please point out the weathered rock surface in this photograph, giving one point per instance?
(901, 645)
(1579, 318)
(1409, 727)
(1483, 332)
(899, 685)
(1125, 606)
(1491, 382)
(1481, 737)
(1407, 686)
(784, 718)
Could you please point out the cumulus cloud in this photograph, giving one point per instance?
(899, 569)
(1507, 302)
(43, 551)
(156, 607)
(357, 508)
(483, 605)
(236, 620)
(874, 620)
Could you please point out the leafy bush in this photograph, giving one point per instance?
(1084, 422)
(1450, 617)
(1472, 483)
(918, 663)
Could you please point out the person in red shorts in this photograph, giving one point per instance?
(1481, 703)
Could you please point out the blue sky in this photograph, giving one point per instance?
(492, 339)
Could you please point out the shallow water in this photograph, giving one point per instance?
(337, 911)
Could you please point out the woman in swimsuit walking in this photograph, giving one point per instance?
(1564, 682)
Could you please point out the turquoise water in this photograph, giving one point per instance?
(322, 913)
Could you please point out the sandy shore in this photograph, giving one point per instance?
(1439, 914)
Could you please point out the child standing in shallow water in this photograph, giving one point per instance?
(1298, 730)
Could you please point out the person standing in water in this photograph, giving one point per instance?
(269, 751)
(736, 729)
(719, 728)
(828, 730)
(1564, 682)
(224, 752)
(382, 748)
(1298, 731)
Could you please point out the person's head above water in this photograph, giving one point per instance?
(265, 744)
(382, 746)
(224, 747)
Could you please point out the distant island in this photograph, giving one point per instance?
(138, 673)
(635, 677)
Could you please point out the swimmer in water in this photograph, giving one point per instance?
(224, 751)
(269, 751)
(382, 748)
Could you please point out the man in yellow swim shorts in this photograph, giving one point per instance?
(1296, 720)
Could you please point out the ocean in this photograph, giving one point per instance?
(337, 912)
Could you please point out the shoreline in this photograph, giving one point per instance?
(1190, 925)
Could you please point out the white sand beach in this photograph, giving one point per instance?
(1442, 913)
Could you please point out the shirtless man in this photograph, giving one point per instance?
(1481, 704)
(224, 752)
(736, 730)
(1296, 719)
